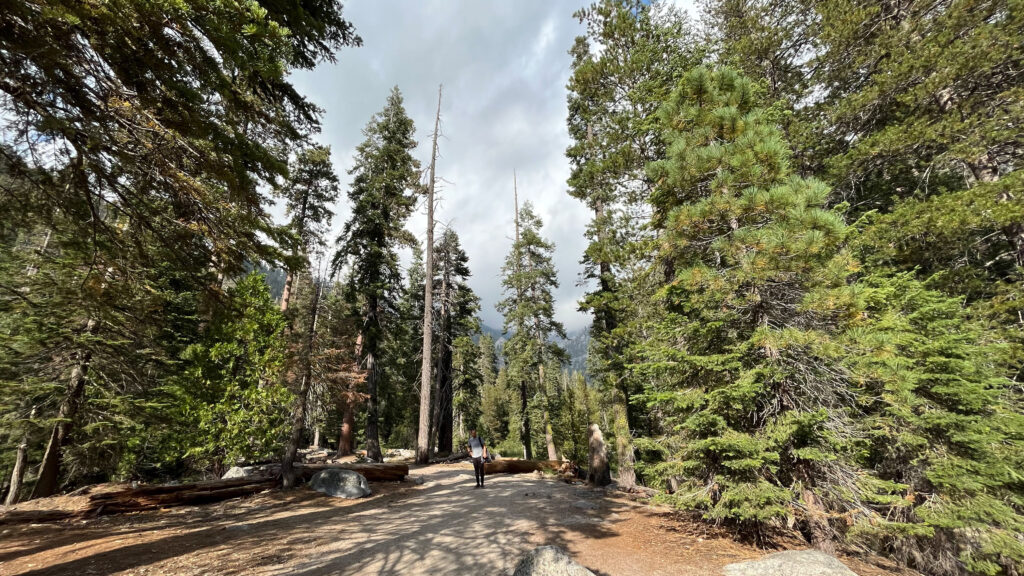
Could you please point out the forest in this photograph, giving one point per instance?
(804, 264)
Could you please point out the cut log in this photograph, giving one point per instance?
(516, 466)
(150, 497)
(168, 495)
(386, 472)
(458, 456)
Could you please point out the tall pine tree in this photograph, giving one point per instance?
(383, 195)
(528, 278)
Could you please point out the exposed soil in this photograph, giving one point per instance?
(445, 526)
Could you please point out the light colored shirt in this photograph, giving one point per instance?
(476, 445)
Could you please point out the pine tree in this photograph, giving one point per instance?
(383, 196)
(145, 182)
(311, 187)
(745, 246)
(226, 403)
(309, 191)
(528, 278)
(467, 380)
(623, 68)
(456, 313)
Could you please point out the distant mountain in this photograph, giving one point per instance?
(495, 333)
(576, 343)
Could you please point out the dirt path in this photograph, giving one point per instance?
(445, 526)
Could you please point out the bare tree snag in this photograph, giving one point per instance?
(598, 472)
(423, 433)
(18, 474)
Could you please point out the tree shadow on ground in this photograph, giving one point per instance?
(444, 527)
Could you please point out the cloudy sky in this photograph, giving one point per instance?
(504, 67)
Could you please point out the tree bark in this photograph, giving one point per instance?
(49, 470)
(346, 438)
(597, 461)
(302, 398)
(18, 474)
(286, 294)
(423, 433)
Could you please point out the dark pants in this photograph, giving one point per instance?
(478, 470)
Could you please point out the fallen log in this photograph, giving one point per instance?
(515, 466)
(122, 500)
(165, 496)
(386, 472)
(458, 456)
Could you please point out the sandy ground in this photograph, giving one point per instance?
(444, 526)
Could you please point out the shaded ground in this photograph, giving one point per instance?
(443, 527)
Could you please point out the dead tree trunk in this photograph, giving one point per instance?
(549, 435)
(49, 470)
(423, 433)
(598, 472)
(302, 398)
(18, 474)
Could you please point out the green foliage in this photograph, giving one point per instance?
(383, 195)
(528, 279)
(227, 403)
(745, 246)
(624, 67)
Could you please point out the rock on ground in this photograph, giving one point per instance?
(340, 483)
(791, 563)
(549, 561)
(246, 471)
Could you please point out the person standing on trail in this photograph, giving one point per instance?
(478, 452)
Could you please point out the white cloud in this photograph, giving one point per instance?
(504, 67)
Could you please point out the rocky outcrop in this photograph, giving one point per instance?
(549, 561)
(340, 483)
(791, 563)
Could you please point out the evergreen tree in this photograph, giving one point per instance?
(311, 187)
(745, 247)
(226, 404)
(339, 377)
(528, 278)
(309, 191)
(456, 318)
(467, 380)
(623, 68)
(140, 135)
(400, 400)
(383, 196)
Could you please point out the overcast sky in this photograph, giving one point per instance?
(504, 66)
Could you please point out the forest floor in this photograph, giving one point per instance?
(444, 526)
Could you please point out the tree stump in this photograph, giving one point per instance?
(598, 472)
